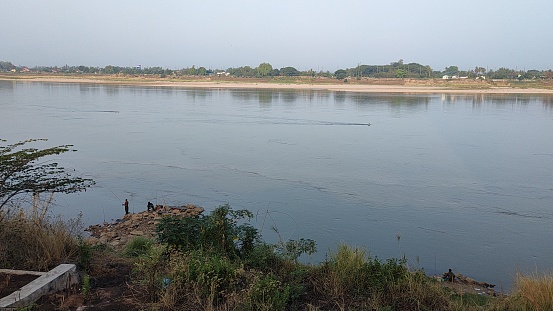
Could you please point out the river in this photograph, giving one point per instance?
(449, 181)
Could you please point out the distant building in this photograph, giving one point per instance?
(446, 77)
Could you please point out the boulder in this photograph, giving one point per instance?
(118, 233)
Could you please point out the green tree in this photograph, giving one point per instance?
(6, 66)
(109, 70)
(191, 71)
(479, 71)
(289, 71)
(451, 71)
(264, 69)
(340, 74)
(202, 71)
(401, 73)
(428, 70)
(22, 170)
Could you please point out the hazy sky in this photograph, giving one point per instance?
(306, 34)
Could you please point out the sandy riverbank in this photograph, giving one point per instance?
(402, 87)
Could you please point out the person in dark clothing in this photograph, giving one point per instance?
(449, 276)
(150, 206)
(126, 205)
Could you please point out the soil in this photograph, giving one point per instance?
(109, 291)
(10, 283)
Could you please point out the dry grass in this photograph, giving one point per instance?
(34, 241)
(534, 292)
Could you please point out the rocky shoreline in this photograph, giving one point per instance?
(143, 224)
(120, 232)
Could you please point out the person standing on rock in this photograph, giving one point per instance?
(126, 205)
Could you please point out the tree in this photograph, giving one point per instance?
(264, 69)
(428, 70)
(202, 71)
(6, 66)
(21, 172)
(289, 71)
(451, 71)
(340, 74)
(401, 73)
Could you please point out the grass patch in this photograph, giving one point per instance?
(31, 241)
(219, 262)
(533, 292)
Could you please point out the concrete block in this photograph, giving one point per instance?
(60, 278)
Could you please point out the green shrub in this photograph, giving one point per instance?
(86, 287)
(214, 276)
(268, 293)
(218, 232)
(292, 249)
(147, 272)
(138, 246)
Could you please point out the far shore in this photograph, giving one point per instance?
(398, 86)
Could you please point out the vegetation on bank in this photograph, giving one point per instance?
(397, 69)
(219, 262)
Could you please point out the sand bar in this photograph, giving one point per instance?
(241, 84)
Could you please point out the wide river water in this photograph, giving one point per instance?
(450, 181)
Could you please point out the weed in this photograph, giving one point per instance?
(42, 242)
(138, 246)
(534, 291)
(86, 287)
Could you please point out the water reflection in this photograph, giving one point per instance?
(89, 88)
(289, 96)
(112, 90)
(259, 96)
(265, 97)
(340, 97)
(547, 102)
(502, 101)
(198, 93)
(7, 85)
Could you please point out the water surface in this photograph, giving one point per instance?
(464, 182)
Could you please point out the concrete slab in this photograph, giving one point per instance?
(60, 278)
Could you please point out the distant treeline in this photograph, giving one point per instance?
(393, 70)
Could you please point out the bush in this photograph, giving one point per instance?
(218, 233)
(351, 278)
(147, 273)
(268, 293)
(138, 246)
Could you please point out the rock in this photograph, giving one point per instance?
(137, 233)
(92, 240)
(118, 233)
(115, 243)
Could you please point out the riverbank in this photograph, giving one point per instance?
(208, 268)
(399, 86)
